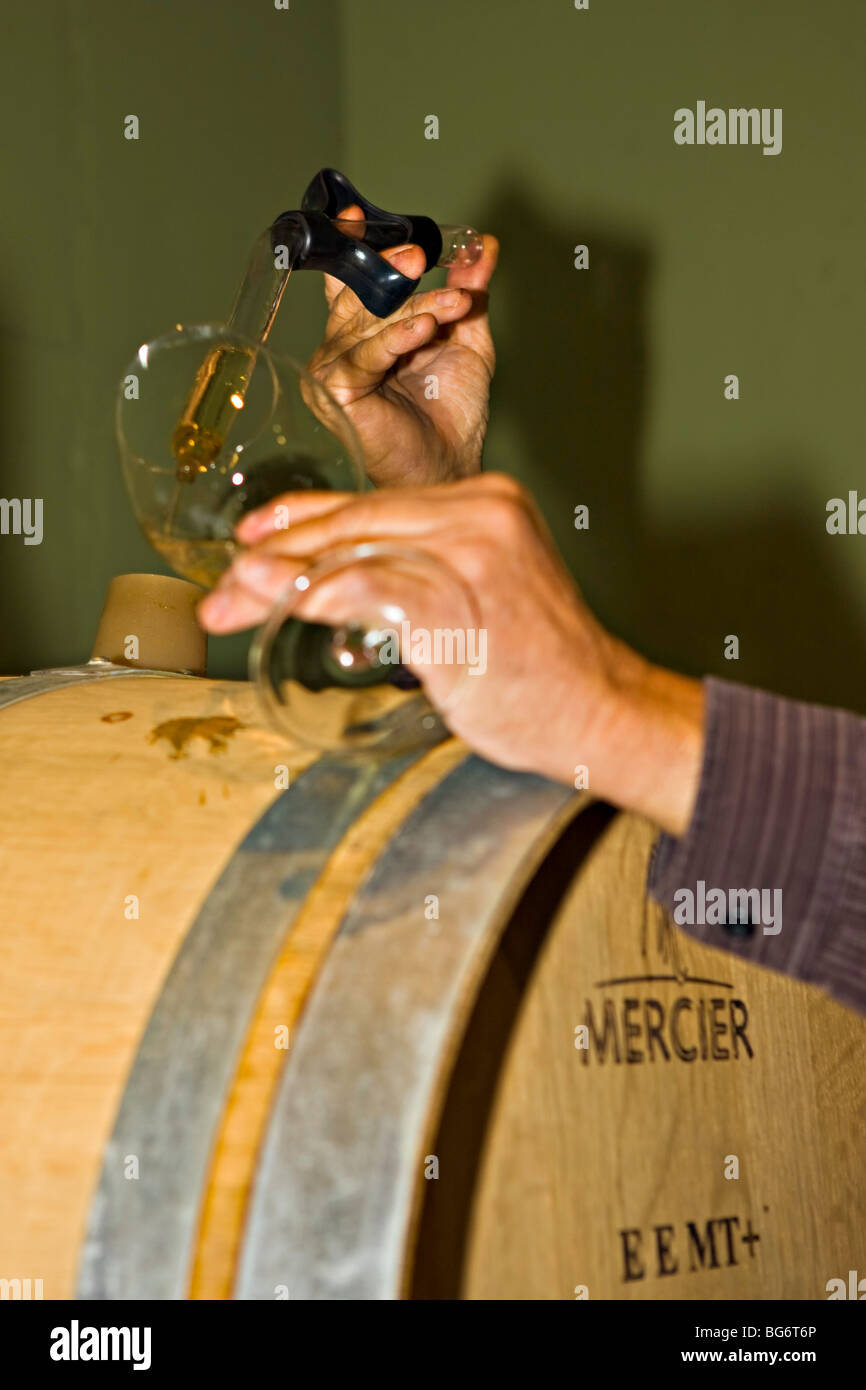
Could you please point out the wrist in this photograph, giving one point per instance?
(648, 741)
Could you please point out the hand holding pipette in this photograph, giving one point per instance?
(379, 257)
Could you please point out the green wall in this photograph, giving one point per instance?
(707, 516)
(106, 242)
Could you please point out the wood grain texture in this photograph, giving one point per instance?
(577, 1150)
(250, 1098)
(548, 1152)
(93, 811)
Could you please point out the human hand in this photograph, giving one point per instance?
(558, 693)
(380, 371)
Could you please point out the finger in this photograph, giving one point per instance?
(230, 608)
(473, 329)
(342, 368)
(398, 514)
(477, 276)
(332, 285)
(345, 304)
(351, 594)
(286, 510)
(292, 509)
(257, 581)
(247, 592)
(363, 366)
(357, 594)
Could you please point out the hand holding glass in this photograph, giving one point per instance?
(196, 457)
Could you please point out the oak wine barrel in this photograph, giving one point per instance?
(281, 1025)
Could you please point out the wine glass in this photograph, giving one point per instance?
(212, 424)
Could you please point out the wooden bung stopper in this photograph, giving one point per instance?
(149, 621)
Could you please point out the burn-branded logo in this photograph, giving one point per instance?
(629, 1024)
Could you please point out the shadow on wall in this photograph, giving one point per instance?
(572, 388)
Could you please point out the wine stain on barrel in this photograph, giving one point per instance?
(216, 730)
(117, 717)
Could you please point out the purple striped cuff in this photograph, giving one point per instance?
(781, 808)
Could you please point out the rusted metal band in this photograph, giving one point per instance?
(141, 1233)
(331, 1209)
(59, 678)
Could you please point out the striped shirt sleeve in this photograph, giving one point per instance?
(781, 809)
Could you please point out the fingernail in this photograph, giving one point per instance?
(216, 605)
(448, 298)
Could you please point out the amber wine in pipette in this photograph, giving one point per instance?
(217, 396)
(223, 379)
